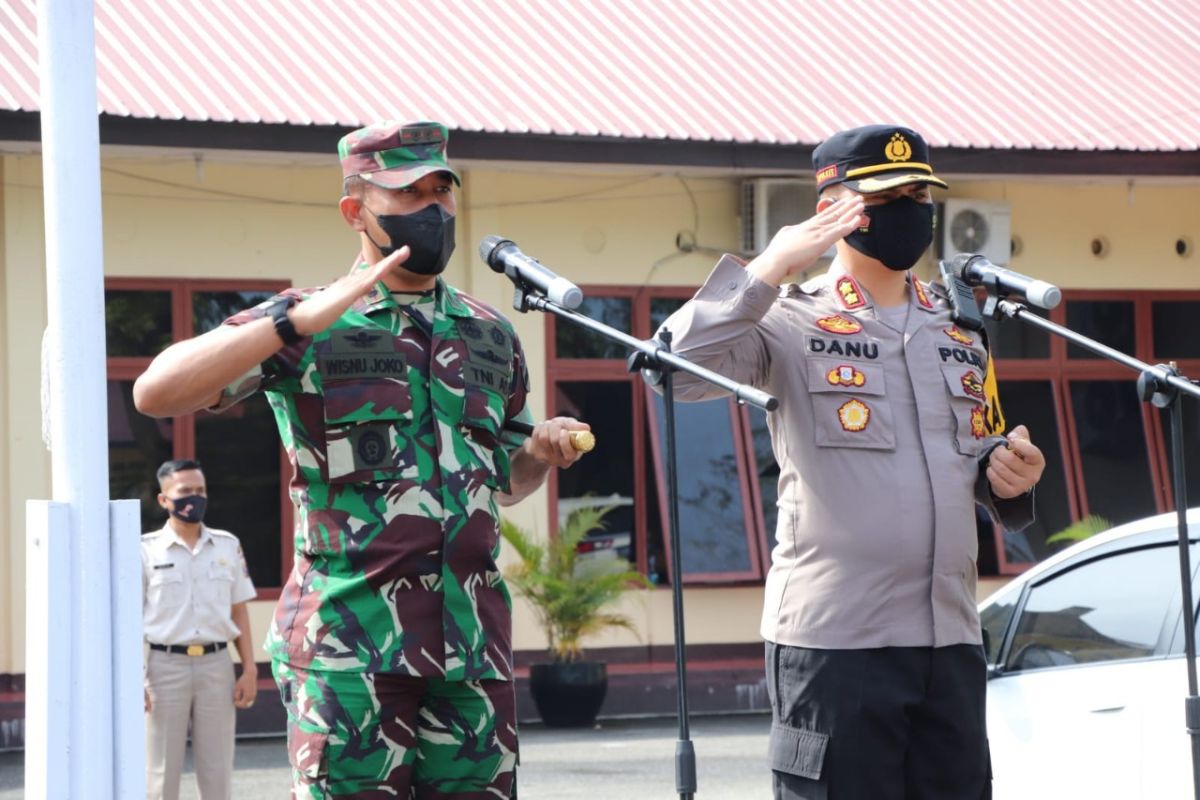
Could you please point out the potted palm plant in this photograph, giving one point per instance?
(570, 598)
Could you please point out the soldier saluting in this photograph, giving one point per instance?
(391, 642)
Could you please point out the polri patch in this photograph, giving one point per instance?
(961, 355)
(854, 415)
(972, 384)
(978, 424)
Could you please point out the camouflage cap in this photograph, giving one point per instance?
(394, 154)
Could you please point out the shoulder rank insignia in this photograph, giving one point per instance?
(954, 333)
(972, 385)
(839, 324)
(978, 426)
(846, 375)
(848, 291)
(854, 415)
(919, 291)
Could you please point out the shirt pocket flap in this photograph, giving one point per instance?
(797, 751)
(837, 375)
(367, 400)
(162, 577)
(220, 571)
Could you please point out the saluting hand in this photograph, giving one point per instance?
(797, 247)
(323, 308)
(1014, 469)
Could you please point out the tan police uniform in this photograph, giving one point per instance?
(188, 595)
(880, 430)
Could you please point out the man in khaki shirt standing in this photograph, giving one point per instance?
(195, 586)
(887, 435)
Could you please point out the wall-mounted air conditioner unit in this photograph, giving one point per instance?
(983, 227)
(770, 203)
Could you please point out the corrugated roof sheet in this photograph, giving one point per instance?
(1110, 74)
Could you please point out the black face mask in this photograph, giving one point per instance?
(189, 508)
(900, 231)
(429, 234)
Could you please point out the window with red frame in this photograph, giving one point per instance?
(720, 516)
(1107, 453)
(244, 466)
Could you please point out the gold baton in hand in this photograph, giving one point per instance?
(583, 441)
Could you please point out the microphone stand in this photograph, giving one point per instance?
(1162, 386)
(657, 364)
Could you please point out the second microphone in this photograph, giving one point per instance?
(503, 255)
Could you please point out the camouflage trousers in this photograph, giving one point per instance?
(364, 735)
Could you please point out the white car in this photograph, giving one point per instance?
(1086, 670)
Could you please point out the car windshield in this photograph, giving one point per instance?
(1109, 609)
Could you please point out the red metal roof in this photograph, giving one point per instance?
(1110, 74)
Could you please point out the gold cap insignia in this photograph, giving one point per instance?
(898, 149)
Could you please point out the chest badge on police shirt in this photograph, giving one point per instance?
(978, 424)
(854, 415)
(954, 333)
(847, 289)
(972, 384)
(839, 324)
(845, 375)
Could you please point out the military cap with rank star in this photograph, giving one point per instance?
(393, 154)
(874, 158)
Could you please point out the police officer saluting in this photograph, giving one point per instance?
(195, 587)
(888, 433)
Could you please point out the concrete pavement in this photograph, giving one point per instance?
(625, 759)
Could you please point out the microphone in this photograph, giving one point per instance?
(975, 270)
(502, 255)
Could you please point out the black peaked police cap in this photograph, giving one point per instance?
(874, 158)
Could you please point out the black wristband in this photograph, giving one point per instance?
(284, 329)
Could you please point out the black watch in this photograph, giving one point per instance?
(278, 311)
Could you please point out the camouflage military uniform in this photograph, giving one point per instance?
(393, 421)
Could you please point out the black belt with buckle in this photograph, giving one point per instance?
(190, 649)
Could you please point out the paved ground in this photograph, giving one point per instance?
(624, 759)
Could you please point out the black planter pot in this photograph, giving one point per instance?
(568, 695)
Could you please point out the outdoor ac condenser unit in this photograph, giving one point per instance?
(976, 226)
(770, 203)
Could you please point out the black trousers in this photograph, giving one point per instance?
(895, 723)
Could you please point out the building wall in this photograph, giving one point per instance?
(277, 218)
